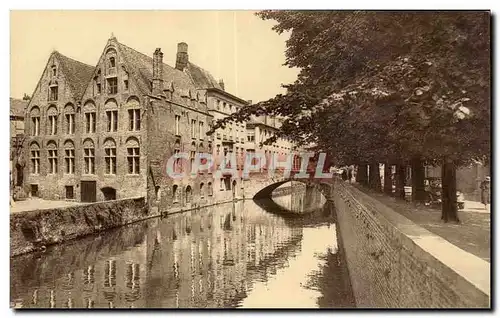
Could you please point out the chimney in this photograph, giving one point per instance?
(249, 102)
(182, 56)
(157, 72)
(221, 84)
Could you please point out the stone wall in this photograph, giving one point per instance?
(34, 230)
(395, 263)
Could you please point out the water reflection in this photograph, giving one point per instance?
(229, 255)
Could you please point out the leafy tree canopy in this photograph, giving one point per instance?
(384, 85)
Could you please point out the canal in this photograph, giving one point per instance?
(241, 254)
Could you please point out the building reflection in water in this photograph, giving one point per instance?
(211, 257)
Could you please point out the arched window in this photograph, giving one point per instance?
(110, 156)
(52, 157)
(188, 194)
(69, 157)
(69, 115)
(112, 61)
(89, 157)
(90, 117)
(210, 189)
(35, 121)
(111, 115)
(35, 158)
(133, 156)
(175, 193)
(52, 120)
(134, 114)
(202, 190)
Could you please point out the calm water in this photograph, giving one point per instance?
(240, 254)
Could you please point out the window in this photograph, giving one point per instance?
(133, 160)
(69, 158)
(251, 136)
(53, 124)
(89, 159)
(175, 193)
(70, 124)
(97, 81)
(125, 84)
(193, 128)
(218, 104)
(52, 161)
(35, 161)
(134, 118)
(177, 121)
(110, 157)
(70, 193)
(90, 122)
(112, 84)
(53, 93)
(201, 132)
(188, 194)
(112, 116)
(112, 62)
(191, 158)
(35, 129)
(210, 189)
(54, 70)
(202, 190)
(177, 164)
(222, 184)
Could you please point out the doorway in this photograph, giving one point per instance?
(109, 193)
(88, 191)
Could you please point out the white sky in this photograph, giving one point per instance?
(236, 46)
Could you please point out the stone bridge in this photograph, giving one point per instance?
(260, 186)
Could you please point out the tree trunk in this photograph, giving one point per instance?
(362, 175)
(374, 177)
(417, 180)
(449, 210)
(400, 181)
(388, 178)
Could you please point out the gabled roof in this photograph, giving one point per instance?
(17, 107)
(77, 74)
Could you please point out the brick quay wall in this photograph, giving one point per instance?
(395, 263)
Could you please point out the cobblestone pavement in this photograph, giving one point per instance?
(31, 204)
(471, 235)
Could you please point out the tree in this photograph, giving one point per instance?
(395, 87)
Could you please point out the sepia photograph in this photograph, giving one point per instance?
(286, 159)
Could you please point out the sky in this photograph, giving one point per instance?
(236, 46)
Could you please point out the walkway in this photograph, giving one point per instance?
(32, 204)
(472, 235)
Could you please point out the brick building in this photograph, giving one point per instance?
(105, 132)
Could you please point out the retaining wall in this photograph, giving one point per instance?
(34, 230)
(395, 263)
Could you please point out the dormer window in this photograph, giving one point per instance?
(112, 62)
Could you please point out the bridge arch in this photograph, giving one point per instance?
(324, 186)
